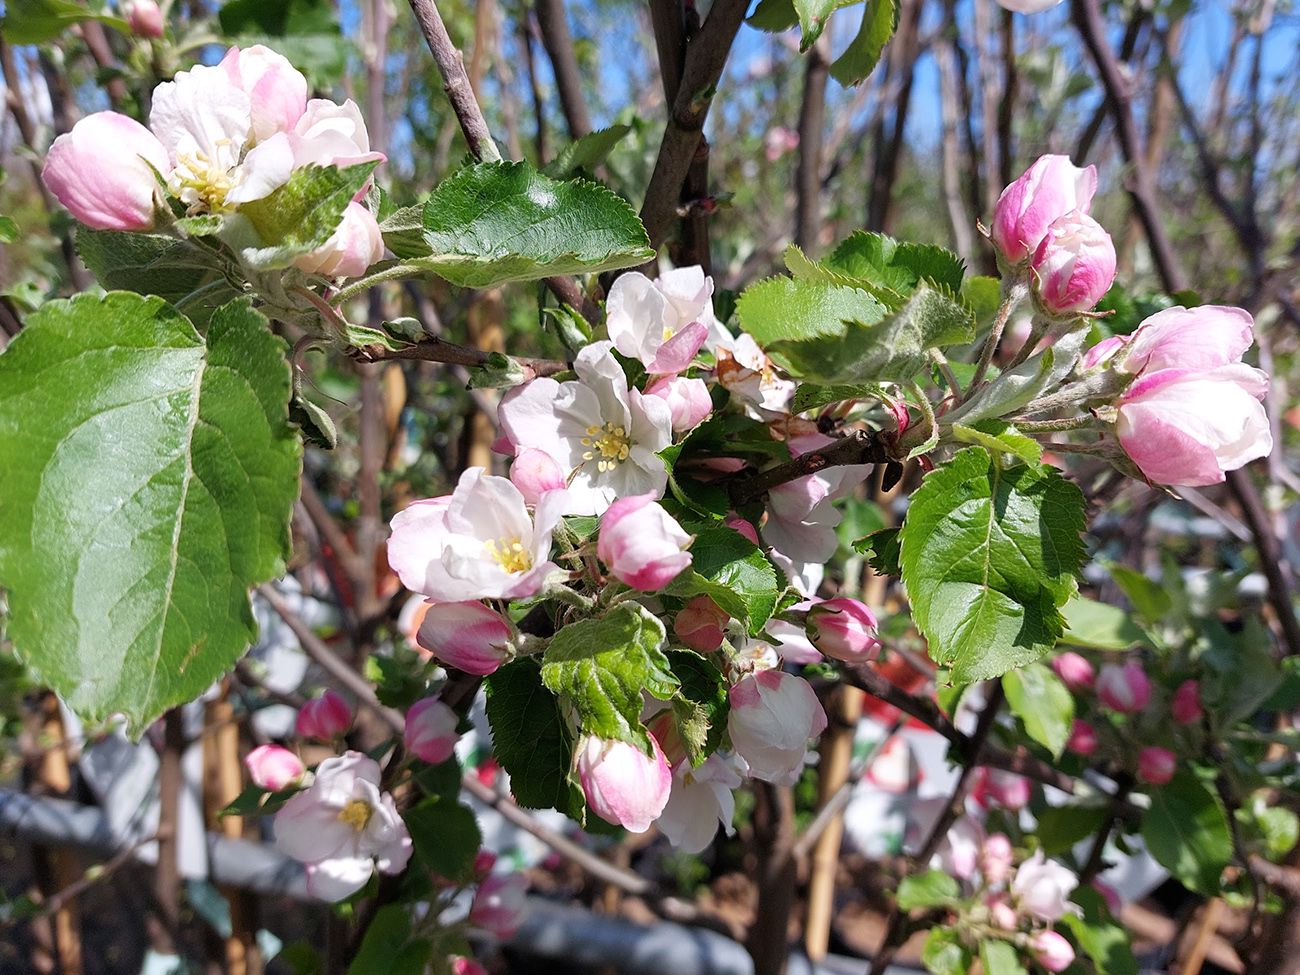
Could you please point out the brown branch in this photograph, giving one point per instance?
(1271, 559)
(553, 25)
(812, 122)
(706, 56)
(857, 447)
(440, 350)
(768, 938)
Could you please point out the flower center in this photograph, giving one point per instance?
(356, 814)
(668, 333)
(611, 443)
(201, 182)
(509, 553)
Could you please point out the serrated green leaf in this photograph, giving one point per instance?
(934, 888)
(148, 479)
(151, 264)
(983, 294)
(316, 424)
(811, 396)
(879, 21)
(446, 837)
(893, 348)
(704, 686)
(496, 222)
(733, 572)
(898, 266)
(944, 954)
(529, 737)
(882, 551)
(1100, 937)
(601, 666)
(789, 309)
(989, 555)
(813, 15)
(1187, 831)
(1042, 703)
(774, 16)
(299, 216)
(1000, 957)
(586, 152)
(8, 230)
(403, 231)
(390, 947)
(1089, 623)
(998, 436)
(38, 21)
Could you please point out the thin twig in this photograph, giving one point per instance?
(857, 447)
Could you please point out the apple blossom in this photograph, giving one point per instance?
(103, 171)
(273, 768)
(1156, 765)
(355, 245)
(460, 965)
(773, 714)
(604, 436)
(1042, 886)
(687, 399)
(1075, 671)
(1083, 739)
(995, 859)
(1046, 191)
(779, 140)
(1103, 352)
(997, 787)
(343, 827)
(1124, 687)
(498, 905)
(1052, 951)
(144, 17)
(701, 799)
(623, 785)
(326, 717)
(700, 624)
(642, 544)
(744, 370)
(1186, 427)
(1186, 704)
(1200, 338)
(468, 636)
(959, 852)
(430, 733)
(790, 641)
(1001, 913)
(844, 629)
(276, 90)
(661, 323)
(743, 526)
(895, 768)
(1109, 894)
(535, 472)
(479, 542)
(1074, 265)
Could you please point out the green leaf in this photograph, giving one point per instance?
(989, 555)
(304, 31)
(999, 437)
(813, 15)
(983, 294)
(38, 21)
(789, 309)
(934, 888)
(446, 837)
(879, 21)
(705, 686)
(1150, 599)
(300, 216)
(151, 264)
(1100, 937)
(895, 266)
(600, 667)
(8, 230)
(810, 396)
(1000, 958)
(148, 481)
(529, 737)
(1043, 704)
(1186, 830)
(403, 231)
(1089, 623)
(1061, 827)
(944, 954)
(496, 222)
(733, 572)
(882, 550)
(774, 16)
(389, 946)
(587, 152)
(893, 348)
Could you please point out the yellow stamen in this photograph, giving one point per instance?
(356, 814)
(510, 554)
(611, 443)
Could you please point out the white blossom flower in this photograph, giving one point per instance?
(701, 799)
(662, 322)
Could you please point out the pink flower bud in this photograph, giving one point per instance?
(844, 629)
(1052, 951)
(144, 18)
(995, 859)
(273, 768)
(663, 729)
(1001, 913)
(430, 733)
(1075, 671)
(895, 768)
(642, 544)
(1009, 790)
(484, 861)
(1124, 687)
(1074, 265)
(1047, 191)
(701, 625)
(623, 784)
(688, 399)
(103, 171)
(1042, 886)
(350, 250)
(325, 718)
(535, 472)
(773, 714)
(1156, 765)
(467, 636)
(1110, 895)
(1083, 739)
(1105, 350)
(460, 965)
(1186, 705)
(277, 91)
(739, 524)
(498, 905)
